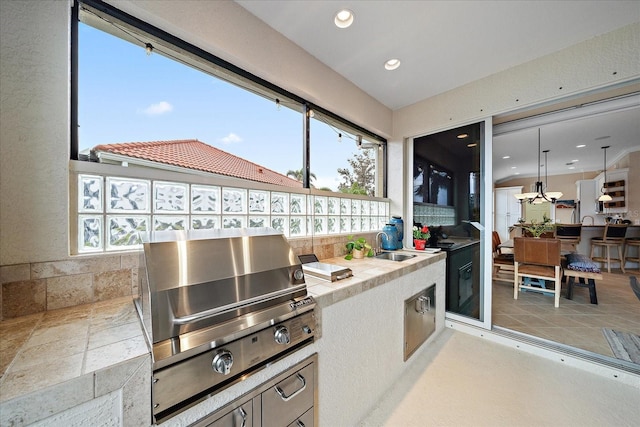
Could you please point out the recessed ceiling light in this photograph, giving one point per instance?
(462, 136)
(513, 167)
(471, 144)
(517, 173)
(392, 64)
(580, 146)
(506, 157)
(572, 167)
(575, 160)
(344, 18)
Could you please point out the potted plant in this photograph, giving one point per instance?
(420, 236)
(358, 248)
(537, 229)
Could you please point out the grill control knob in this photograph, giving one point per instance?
(282, 335)
(222, 362)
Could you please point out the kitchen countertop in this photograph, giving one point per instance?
(58, 359)
(62, 358)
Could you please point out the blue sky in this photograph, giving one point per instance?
(128, 96)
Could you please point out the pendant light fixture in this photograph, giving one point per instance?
(605, 197)
(540, 196)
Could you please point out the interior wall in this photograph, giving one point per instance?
(600, 62)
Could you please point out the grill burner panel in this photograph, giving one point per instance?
(195, 376)
(216, 307)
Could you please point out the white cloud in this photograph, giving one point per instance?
(232, 138)
(157, 109)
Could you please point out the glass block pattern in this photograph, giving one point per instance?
(125, 195)
(258, 202)
(90, 189)
(170, 197)
(89, 233)
(205, 199)
(123, 231)
(234, 201)
(279, 203)
(430, 214)
(112, 211)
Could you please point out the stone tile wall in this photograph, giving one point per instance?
(37, 287)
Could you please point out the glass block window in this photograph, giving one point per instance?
(111, 211)
(123, 231)
(90, 233)
(297, 226)
(234, 222)
(205, 199)
(298, 204)
(202, 222)
(234, 201)
(90, 190)
(168, 222)
(279, 203)
(258, 202)
(170, 197)
(258, 221)
(127, 195)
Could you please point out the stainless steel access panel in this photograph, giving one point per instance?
(419, 319)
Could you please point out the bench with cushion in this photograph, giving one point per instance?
(581, 267)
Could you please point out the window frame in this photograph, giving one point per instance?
(215, 66)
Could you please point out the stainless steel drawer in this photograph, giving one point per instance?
(306, 420)
(241, 416)
(283, 403)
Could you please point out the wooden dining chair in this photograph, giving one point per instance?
(537, 259)
(501, 261)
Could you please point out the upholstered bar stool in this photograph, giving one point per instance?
(569, 235)
(613, 237)
(631, 243)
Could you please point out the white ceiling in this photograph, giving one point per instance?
(446, 44)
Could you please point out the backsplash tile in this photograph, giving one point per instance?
(42, 270)
(42, 286)
(23, 297)
(68, 291)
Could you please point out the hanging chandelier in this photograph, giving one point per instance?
(605, 197)
(540, 196)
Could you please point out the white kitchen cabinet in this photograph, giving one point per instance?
(587, 192)
(506, 210)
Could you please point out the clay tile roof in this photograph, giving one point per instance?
(193, 154)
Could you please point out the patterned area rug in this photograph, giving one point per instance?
(625, 346)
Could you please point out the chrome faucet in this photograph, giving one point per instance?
(586, 216)
(378, 248)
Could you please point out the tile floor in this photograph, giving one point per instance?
(576, 322)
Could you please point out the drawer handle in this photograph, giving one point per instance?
(243, 414)
(295, 393)
(423, 304)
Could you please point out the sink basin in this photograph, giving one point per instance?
(394, 256)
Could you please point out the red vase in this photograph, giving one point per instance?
(419, 244)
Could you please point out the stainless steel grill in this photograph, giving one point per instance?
(217, 306)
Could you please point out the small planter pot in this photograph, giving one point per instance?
(358, 253)
(419, 244)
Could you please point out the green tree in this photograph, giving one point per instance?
(360, 177)
(297, 175)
